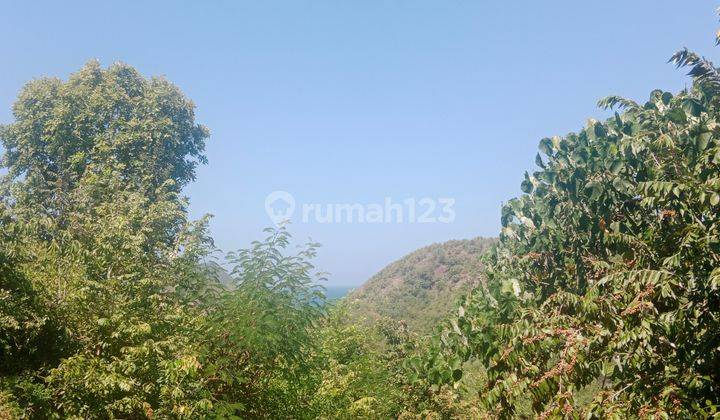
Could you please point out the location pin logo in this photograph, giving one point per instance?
(280, 206)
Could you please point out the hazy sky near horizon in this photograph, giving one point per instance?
(356, 101)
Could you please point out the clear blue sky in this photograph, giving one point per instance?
(352, 101)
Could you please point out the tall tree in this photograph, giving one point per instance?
(102, 247)
(101, 125)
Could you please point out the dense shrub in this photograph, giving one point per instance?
(608, 269)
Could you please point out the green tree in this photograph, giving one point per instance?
(104, 277)
(608, 270)
(259, 338)
(102, 246)
(100, 123)
(357, 367)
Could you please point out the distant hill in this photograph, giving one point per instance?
(422, 287)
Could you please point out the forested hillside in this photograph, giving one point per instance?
(422, 288)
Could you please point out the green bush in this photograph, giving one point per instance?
(607, 273)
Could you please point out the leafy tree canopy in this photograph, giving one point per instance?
(101, 126)
(608, 269)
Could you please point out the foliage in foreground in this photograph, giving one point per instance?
(608, 270)
(106, 310)
(601, 299)
(110, 303)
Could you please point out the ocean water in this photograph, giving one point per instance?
(337, 292)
